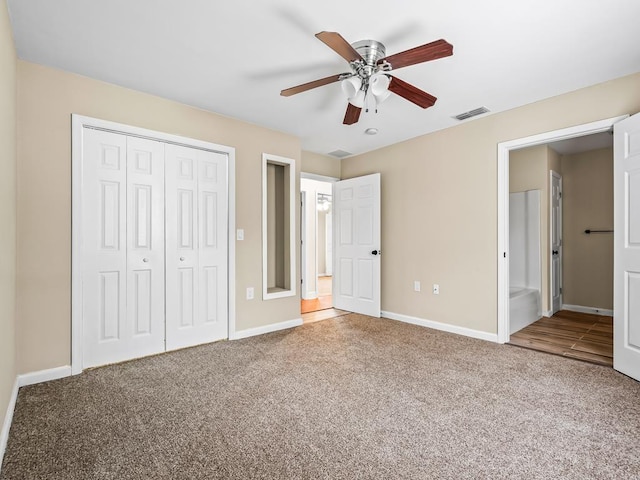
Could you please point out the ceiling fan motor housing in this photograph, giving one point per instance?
(371, 51)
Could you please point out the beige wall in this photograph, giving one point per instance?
(529, 170)
(7, 211)
(439, 203)
(46, 100)
(320, 164)
(587, 184)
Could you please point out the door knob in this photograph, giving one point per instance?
(375, 252)
(554, 252)
(182, 259)
(145, 260)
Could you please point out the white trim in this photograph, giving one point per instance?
(273, 327)
(320, 178)
(40, 376)
(78, 123)
(8, 419)
(593, 310)
(311, 296)
(547, 313)
(289, 163)
(503, 203)
(445, 327)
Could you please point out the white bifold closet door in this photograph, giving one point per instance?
(154, 255)
(123, 245)
(196, 246)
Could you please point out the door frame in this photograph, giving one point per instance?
(78, 123)
(553, 174)
(503, 202)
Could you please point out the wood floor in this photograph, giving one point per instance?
(571, 334)
(324, 299)
(313, 305)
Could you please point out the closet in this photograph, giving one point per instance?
(154, 246)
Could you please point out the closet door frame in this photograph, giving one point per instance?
(78, 124)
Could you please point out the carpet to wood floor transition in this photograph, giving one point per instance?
(350, 397)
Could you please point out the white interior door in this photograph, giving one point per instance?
(196, 246)
(556, 242)
(356, 246)
(123, 275)
(626, 323)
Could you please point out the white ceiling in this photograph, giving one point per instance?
(234, 57)
(586, 143)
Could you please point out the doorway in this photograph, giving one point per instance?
(317, 243)
(582, 327)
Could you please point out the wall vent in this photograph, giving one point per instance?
(471, 113)
(340, 153)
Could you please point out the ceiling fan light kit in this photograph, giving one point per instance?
(369, 75)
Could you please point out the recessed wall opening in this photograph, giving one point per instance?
(278, 227)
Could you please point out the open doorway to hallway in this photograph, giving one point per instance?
(316, 248)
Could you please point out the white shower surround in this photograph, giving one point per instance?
(525, 270)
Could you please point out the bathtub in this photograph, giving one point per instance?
(524, 307)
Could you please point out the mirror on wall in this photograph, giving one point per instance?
(278, 227)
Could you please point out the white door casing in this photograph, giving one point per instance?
(356, 245)
(196, 252)
(555, 205)
(626, 283)
(123, 271)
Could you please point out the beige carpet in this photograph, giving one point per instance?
(353, 397)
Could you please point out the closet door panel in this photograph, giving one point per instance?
(196, 246)
(105, 334)
(181, 237)
(145, 245)
(212, 190)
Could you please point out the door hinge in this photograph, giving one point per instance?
(301, 281)
(505, 254)
(560, 289)
(560, 194)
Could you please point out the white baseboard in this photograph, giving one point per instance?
(547, 313)
(445, 327)
(582, 309)
(274, 327)
(44, 375)
(8, 419)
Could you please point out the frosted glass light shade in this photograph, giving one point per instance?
(358, 99)
(351, 86)
(379, 85)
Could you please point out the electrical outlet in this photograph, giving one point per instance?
(249, 293)
(416, 286)
(240, 234)
(436, 289)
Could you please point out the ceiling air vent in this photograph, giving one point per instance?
(471, 113)
(340, 153)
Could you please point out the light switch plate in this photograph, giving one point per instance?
(240, 234)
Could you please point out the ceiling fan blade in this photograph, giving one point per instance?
(430, 51)
(411, 93)
(334, 41)
(352, 116)
(308, 86)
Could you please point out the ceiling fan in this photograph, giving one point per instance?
(370, 77)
